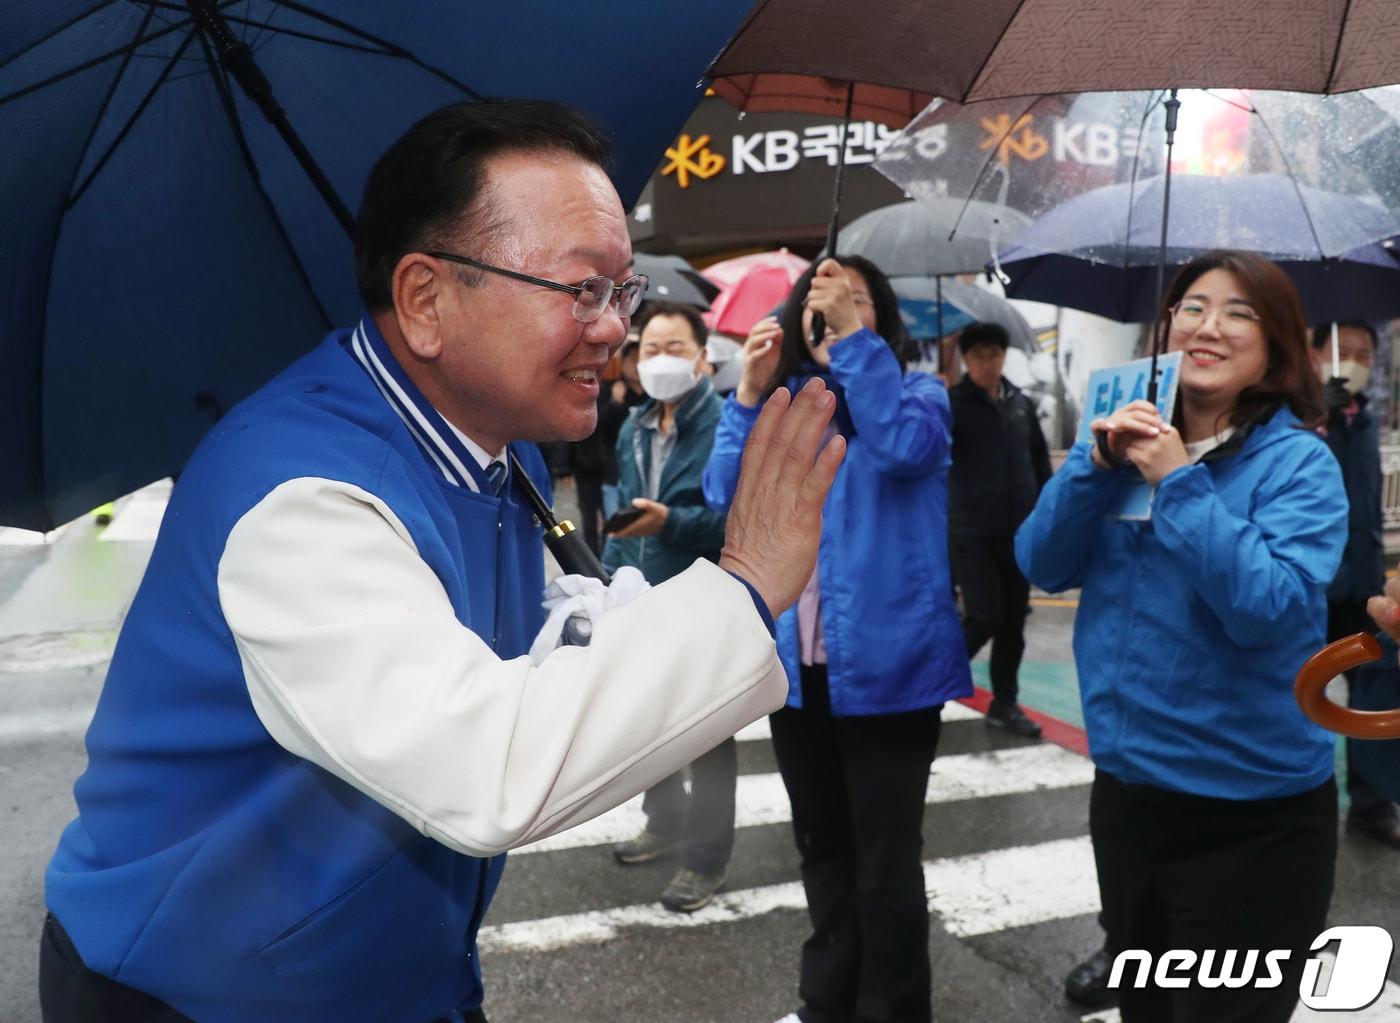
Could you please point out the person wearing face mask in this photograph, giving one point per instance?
(1352, 435)
(873, 650)
(661, 451)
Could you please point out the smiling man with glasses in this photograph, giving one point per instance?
(319, 730)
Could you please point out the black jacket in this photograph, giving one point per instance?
(1000, 461)
(1357, 447)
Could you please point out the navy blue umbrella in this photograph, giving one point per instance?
(167, 248)
(1098, 252)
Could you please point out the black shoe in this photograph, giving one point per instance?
(1013, 720)
(1382, 825)
(1087, 983)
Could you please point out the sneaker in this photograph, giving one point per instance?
(791, 1017)
(646, 847)
(1087, 983)
(689, 891)
(1013, 720)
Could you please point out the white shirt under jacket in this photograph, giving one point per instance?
(355, 661)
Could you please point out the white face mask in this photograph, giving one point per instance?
(668, 377)
(1355, 373)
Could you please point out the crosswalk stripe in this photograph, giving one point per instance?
(952, 711)
(761, 798)
(971, 894)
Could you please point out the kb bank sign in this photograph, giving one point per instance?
(1356, 979)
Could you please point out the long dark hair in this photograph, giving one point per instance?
(1289, 378)
(887, 320)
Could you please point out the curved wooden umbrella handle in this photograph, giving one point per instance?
(1325, 665)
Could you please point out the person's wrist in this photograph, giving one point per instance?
(737, 565)
(747, 394)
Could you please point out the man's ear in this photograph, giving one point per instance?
(702, 364)
(417, 288)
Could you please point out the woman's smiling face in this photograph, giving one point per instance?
(1217, 331)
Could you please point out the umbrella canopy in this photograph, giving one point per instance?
(673, 279)
(917, 239)
(1098, 251)
(165, 253)
(963, 303)
(1001, 48)
(750, 286)
(1035, 153)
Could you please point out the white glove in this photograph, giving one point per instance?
(586, 598)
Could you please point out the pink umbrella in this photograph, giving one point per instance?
(750, 286)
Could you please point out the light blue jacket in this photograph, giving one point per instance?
(1192, 626)
(893, 642)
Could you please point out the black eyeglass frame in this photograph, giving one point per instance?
(577, 290)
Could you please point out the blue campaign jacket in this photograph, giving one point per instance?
(1192, 626)
(210, 867)
(893, 642)
(693, 529)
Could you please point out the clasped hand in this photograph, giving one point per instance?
(1136, 432)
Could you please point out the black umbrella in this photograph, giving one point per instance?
(673, 279)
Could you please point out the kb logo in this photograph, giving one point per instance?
(1357, 977)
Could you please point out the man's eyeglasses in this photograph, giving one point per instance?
(1231, 320)
(591, 296)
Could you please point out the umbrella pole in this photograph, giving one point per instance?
(237, 58)
(1336, 352)
(818, 320)
(564, 542)
(1172, 105)
(938, 297)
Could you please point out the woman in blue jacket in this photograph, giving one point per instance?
(873, 649)
(1213, 810)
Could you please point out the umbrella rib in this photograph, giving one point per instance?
(107, 100)
(59, 30)
(101, 58)
(231, 112)
(77, 193)
(991, 157)
(390, 48)
(343, 44)
(1337, 50)
(975, 79)
(1293, 180)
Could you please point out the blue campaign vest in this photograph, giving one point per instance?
(210, 867)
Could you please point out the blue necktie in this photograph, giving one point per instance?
(496, 477)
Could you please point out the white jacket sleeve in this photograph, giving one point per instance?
(355, 661)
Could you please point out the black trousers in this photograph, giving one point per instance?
(1343, 619)
(589, 487)
(1190, 872)
(71, 993)
(857, 787)
(996, 600)
(705, 820)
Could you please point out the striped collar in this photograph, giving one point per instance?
(461, 461)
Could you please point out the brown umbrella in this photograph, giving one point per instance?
(993, 49)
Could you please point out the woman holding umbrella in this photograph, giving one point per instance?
(1214, 810)
(873, 648)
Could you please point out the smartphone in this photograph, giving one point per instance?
(622, 519)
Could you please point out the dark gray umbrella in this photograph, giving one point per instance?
(672, 279)
(916, 238)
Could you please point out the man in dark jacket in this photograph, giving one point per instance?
(1000, 462)
(661, 453)
(1352, 435)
